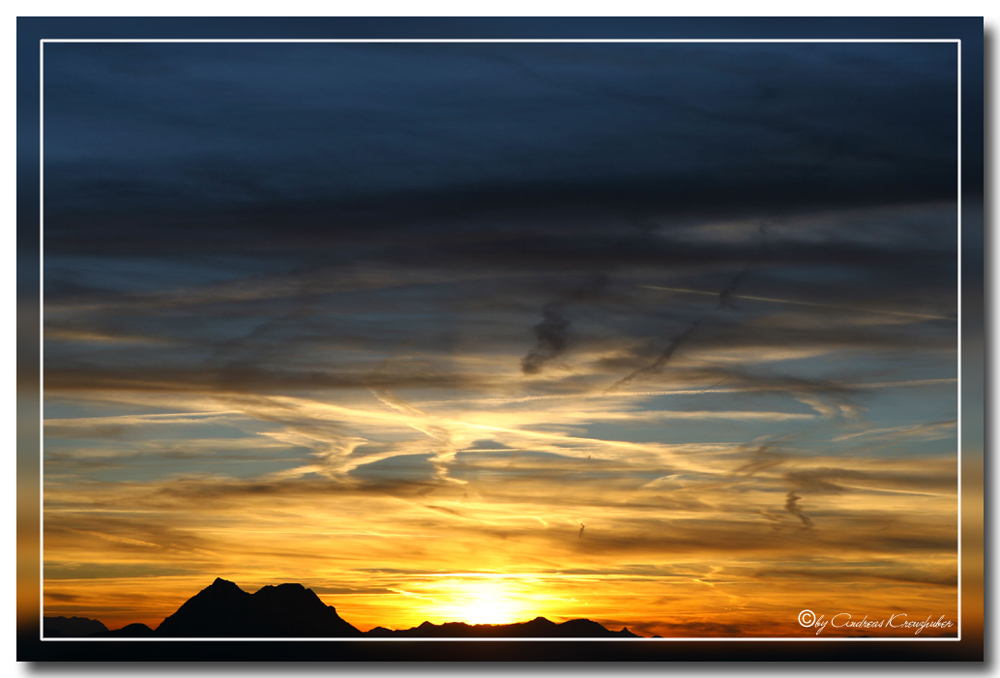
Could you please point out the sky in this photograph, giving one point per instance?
(659, 335)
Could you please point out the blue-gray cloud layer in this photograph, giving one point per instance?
(196, 148)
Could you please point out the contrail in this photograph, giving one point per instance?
(663, 358)
(726, 295)
(429, 426)
(725, 301)
(799, 303)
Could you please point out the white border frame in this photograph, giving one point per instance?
(41, 328)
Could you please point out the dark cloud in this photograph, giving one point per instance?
(792, 506)
(821, 481)
(552, 340)
(245, 378)
(219, 140)
(128, 535)
(353, 590)
(62, 597)
(108, 570)
(871, 572)
(553, 333)
(652, 536)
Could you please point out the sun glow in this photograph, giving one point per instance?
(482, 602)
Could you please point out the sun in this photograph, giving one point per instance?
(481, 602)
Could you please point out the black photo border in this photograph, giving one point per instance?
(30, 31)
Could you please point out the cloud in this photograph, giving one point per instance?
(791, 505)
(892, 573)
(552, 340)
(762, 458)
(544, 127)
(932, 431)
(725, 302)
(553, 333)
(664, 357)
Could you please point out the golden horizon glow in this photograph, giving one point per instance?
(683, 538)
(482, 601)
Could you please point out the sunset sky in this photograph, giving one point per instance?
(660, 335)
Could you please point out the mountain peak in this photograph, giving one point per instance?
(221, 589)
(290, 610)
(225, 610)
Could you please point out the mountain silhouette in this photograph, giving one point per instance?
(225, 610)
(539, 627)
(71, 627)
(130, 631)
